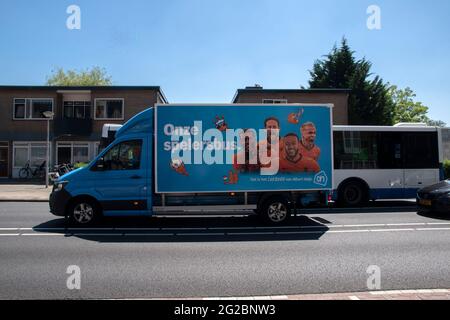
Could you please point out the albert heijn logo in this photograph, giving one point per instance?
(321, 178)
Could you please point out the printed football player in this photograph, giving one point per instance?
(308, 147)
(271, 124)
(292, 160)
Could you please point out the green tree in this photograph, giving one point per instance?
(96, 76)
(369, 102)
(406, 109)
(436, 123)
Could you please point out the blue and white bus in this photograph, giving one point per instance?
(382, 162)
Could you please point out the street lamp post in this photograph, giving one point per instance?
(48, 115)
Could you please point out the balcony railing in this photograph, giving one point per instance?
(72, 126)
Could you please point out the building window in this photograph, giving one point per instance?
(274, 101)
(111, 109)
(34, 152)
(77, 109)
(72, 152)
(31, 109)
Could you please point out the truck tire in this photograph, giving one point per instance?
(353, 193)
(84, 212)
(275, 210)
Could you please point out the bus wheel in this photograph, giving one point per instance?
(275, 210)
(353, 194)
(84, 212)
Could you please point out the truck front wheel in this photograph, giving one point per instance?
(275, 210)
(84, 212)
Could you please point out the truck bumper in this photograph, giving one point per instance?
(58, 202)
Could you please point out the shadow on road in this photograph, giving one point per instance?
(181, 229)
(434, 215)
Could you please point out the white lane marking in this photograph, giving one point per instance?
(366, 225)
(321, 225)
(137, 229)
(148, 234)
(405, 224)
(41, 234)
(181, 229)
(90, 229)
(98, 234)
(348, 231)
(353, 298)
(391, 230)
(232, 228)
(228, 233)
(248, 233)
(201, 234)
(300, 232)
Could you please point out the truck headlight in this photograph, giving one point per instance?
(58, 186)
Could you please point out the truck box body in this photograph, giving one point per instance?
(179, 157)
(207, 155)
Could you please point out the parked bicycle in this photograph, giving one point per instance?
(29, 172)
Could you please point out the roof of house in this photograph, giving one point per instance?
(81, 88)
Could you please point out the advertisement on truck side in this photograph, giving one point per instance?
(240, 148)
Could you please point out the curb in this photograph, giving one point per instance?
(420, 294)
(23, 200)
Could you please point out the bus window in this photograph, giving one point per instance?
(355, 150)
(389, 150)
(420, 150)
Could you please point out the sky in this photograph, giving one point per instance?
(203, 50)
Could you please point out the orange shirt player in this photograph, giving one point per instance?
(270, 124)
(292, 160)
(307, 146)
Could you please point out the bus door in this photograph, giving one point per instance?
(390, 158)
(421, 160)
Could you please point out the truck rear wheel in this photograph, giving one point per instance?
(275, 210)
(84, 212)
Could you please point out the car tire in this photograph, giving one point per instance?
(353, 194)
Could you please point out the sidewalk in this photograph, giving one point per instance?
(24, 192)
(422, 294)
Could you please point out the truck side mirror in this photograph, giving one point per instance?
(100, 164)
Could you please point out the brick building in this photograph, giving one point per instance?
(75, 129)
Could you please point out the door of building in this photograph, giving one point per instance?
(4, 161)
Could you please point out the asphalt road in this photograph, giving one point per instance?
(318, 252)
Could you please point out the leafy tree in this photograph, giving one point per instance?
(96, 76)
(406, 109)
(369, 102)
(436, 123)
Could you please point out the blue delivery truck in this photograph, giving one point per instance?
(172, 158)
